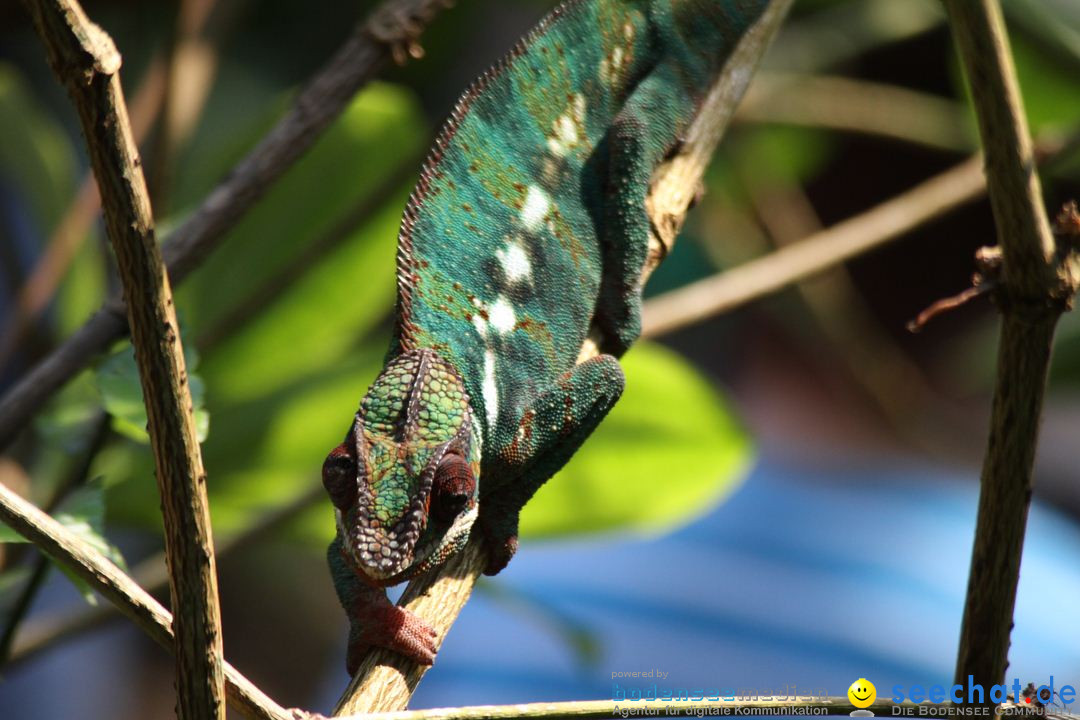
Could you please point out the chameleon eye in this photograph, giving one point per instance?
(453, 488)
(339, 477)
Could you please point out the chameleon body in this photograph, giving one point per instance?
(527, 227)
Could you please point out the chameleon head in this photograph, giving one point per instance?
(404, 484)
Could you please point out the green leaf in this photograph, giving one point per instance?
(668, 453)
(83, 514)
(118, 382)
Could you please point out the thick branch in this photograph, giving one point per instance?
(394, 25)
(73, 553)
(85, 59)
(386, 680)
(1033, 291)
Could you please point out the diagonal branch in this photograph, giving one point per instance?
(386, 680)
(85, 59)
(816, 253)
(841, 103)
(827, 248)
(394, 25)
(73, 552)
(1035, 287)
(151, 573)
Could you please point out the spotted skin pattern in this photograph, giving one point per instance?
(527, 227)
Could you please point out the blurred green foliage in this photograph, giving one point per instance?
(283, 381)
(37, 158)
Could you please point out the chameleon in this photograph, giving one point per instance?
(526, 228)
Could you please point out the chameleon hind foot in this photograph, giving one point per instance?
(389, 626)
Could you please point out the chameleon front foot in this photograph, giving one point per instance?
(393, 628)
(500, 550)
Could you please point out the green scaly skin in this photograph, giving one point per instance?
(527, 226)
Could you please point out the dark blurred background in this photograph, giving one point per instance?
(786, 494)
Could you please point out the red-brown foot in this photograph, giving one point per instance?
(393, 628)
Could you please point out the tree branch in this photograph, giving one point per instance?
(85, 59)
(1034, 288)
(386, 680)
(74, 479)
(604, 709)
(816, 253)
(861, 106)
(137, 604)
(151, 574)
(394, 25)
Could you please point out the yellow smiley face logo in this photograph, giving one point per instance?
(862, 693)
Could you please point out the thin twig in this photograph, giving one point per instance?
(878, 365)
(837, 34)
(948, 304)
(386, 679)
(817, 253)
(85, 59)
(75, 554)
(1033, 290)
(840, 103)
(395, 24)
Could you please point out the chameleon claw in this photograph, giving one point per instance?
(396, 629)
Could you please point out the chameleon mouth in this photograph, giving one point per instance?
(438, 548)
(378, 553)
(400, 561)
